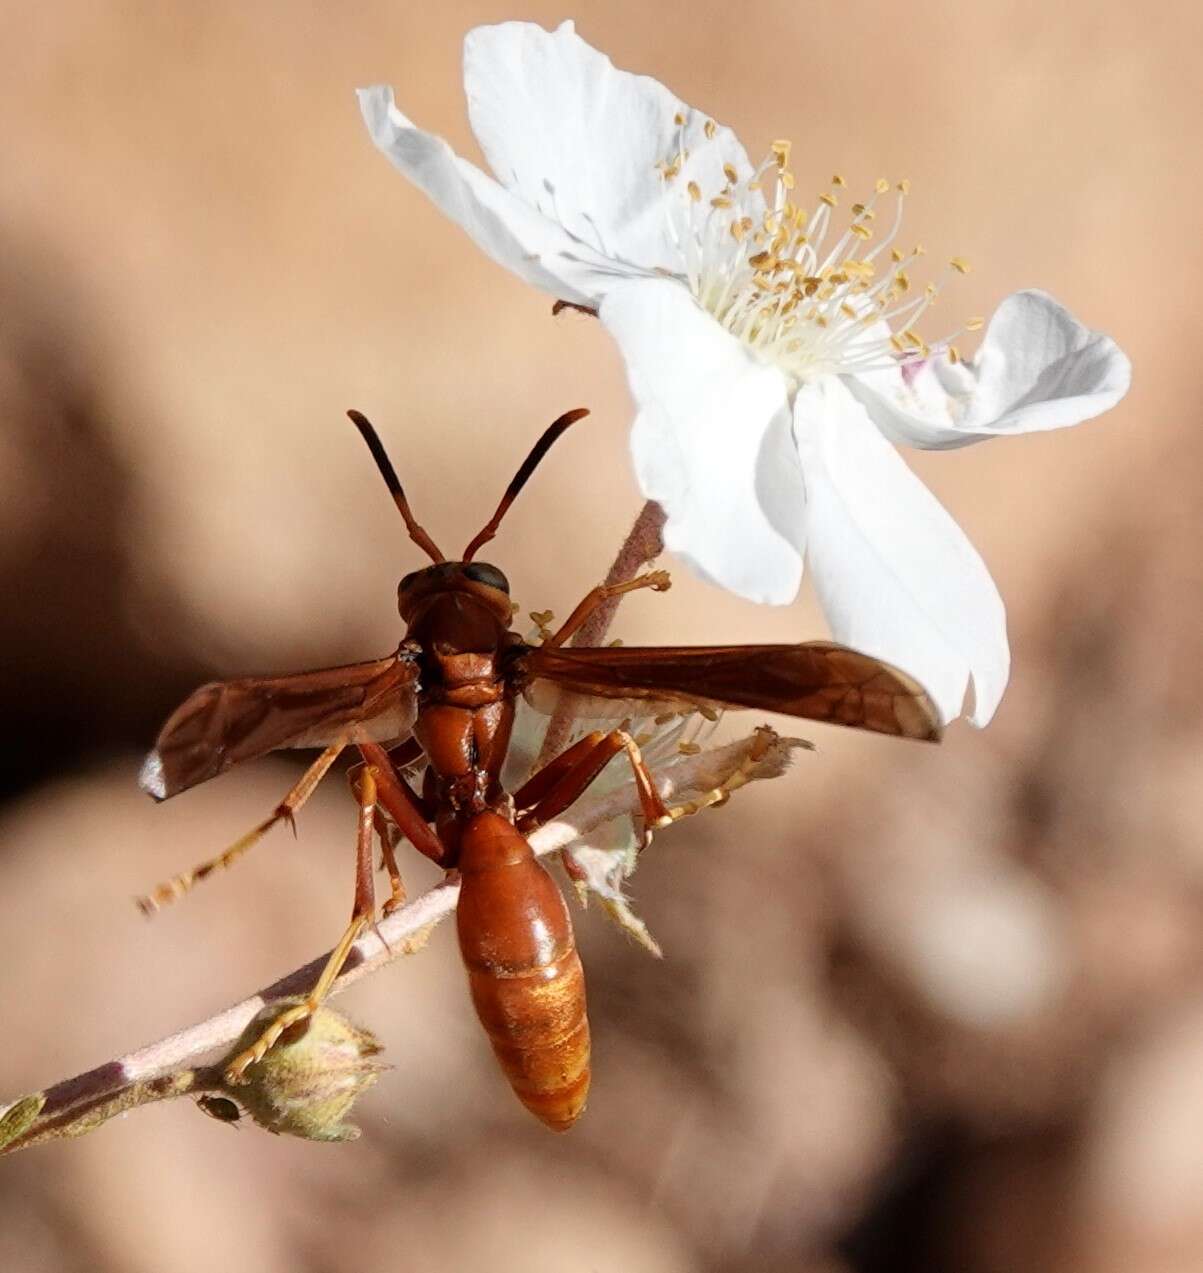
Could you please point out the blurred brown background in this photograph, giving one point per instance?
(921, 1009)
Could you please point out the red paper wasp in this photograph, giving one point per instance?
(447, 696)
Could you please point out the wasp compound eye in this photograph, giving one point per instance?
(490, 576)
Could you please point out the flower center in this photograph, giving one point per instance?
(805, 295)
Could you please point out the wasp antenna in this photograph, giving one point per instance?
(385, 465)
(538, 451)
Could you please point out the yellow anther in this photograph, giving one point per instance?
(738, 231)
(786, 178)
(882, 185)
(895, 255)
(709, 713)
(730, 173)
(678, 119)
(761, 258)
(781, 149)
(904, 186)
(902, 280)
(931, 291)
(720, 201)
(837, 180)
(710, 128)
(954, 354)
(688, 749)
(861, 230)
(916, 341)
(695, 191)
(975, 324)
(959, 264)
(829, 199)
(847, 310)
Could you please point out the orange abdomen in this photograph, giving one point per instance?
(523, 970)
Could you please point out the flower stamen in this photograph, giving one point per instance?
(766, 270)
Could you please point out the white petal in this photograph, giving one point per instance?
(895, 574)
(580, 140)
(1038, 368)
(712, 441)
(514, 234)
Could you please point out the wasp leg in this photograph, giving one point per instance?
(539, 784)
(285, 811)
(402, 804)
(388, 836)
(657, 580)
(362, 912)
(718, 796)
(389, 854)
(556, 796)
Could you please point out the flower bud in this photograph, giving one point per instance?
(308, 1081)
(19, 1117)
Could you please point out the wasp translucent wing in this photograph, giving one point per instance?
(817, 680)
(598, 706)
(230, 721)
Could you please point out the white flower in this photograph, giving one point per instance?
(772, 352)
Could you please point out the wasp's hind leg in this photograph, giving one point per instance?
(362, 913)
(564, 779)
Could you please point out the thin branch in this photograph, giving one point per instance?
(168, 1068)
(644, 543)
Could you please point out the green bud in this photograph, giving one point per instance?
(310, 1079)
(19, 1117)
